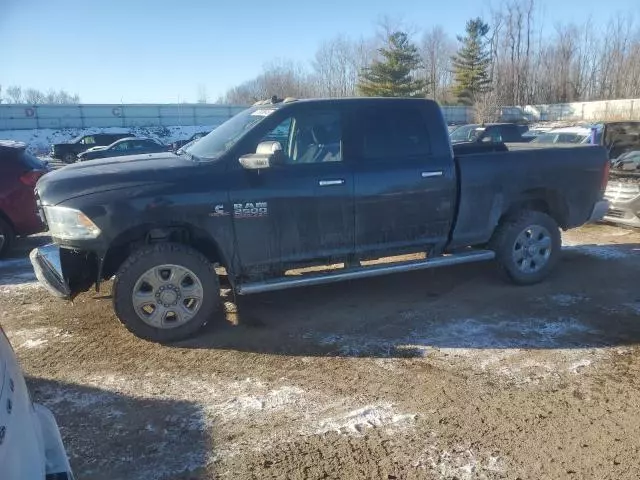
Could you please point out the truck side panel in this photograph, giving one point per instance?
(566, 181)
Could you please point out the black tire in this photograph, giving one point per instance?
(7, 235)
(507, 237)
(69, 158)
(147, 258)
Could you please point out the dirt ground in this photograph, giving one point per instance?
(441, 374)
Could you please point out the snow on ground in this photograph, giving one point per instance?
(602, 252)
(28, 338)
(228, 405)
(356, 421)
(39, 141)
(461, 464)
(519, 350)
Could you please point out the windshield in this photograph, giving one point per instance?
(465, 133)
(545, 138)
(220, 140)
(557, 137)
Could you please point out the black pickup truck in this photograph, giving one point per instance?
(302, 183)
(68, 152)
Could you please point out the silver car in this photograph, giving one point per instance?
(623, 190)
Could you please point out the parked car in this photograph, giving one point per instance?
(489, 133)
(30, 443)
(181, 143)
(125, 146)
(576, 135)
(68, 152)
(356, 179)
(19, 172)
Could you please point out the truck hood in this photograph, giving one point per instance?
(111, 173)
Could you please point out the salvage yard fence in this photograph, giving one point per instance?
(23, 117)
(58, 117)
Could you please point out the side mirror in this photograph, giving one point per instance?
(267, 155)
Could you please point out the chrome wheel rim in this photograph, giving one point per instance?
(532, 249)
(167, 296)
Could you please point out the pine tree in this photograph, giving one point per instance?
(391, 77)
(471, 63)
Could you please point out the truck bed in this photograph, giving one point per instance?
(568, 179)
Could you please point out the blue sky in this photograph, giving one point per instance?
(138, 51)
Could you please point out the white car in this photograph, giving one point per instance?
(575, 135)
(30, 443)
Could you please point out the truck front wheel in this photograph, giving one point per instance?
(166, 292)
(527, 246)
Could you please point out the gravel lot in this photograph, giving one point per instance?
(444, 374)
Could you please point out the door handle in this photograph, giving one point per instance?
(329, 183)
(437, 173)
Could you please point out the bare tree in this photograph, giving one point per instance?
(437, 48)
(14, 94)
(202, 93)
(337, 65)
(33, 96)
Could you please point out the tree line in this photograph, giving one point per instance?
(33, 96)
(508, 58)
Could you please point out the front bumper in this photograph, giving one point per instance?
(47, 266)
(600, 209)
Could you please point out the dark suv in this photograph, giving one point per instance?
(19, 172)
(68, 152)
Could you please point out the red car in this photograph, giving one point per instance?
(19, 172)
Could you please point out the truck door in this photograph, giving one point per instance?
(299, 211)
(404, 194)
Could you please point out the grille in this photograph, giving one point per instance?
(621, 192)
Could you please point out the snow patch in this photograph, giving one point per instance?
(520, 350)
(372, 416)
(566, 300)
(34, 343)
(460, 464)
(601, 252)
(270, 401)
(35, 337)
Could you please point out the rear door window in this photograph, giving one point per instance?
(393, 133)
(510, 133)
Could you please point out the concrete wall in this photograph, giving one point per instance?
(29, 117)
(586, 111)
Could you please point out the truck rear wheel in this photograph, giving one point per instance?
(527, 246)
(69, 158)
(166, 292)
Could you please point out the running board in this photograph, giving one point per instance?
(363, 272)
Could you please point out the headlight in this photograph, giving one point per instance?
(70, 224)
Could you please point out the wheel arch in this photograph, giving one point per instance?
(548, 201)
(136, 237)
